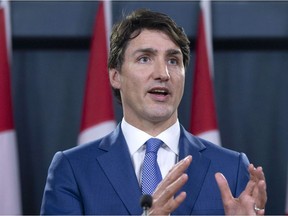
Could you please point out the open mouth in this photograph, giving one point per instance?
(158, 91)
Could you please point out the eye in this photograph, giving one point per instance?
(143, 59)
(173, 61)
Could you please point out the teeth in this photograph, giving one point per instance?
(159, 91)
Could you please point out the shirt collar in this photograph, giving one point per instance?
(135, 138)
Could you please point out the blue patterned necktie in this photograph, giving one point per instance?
(151, 174)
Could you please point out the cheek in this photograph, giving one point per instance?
(178, 79)
(131, 85)
(137, 78)
(179, 84)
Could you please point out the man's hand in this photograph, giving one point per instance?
(251, 201)
(164, 201)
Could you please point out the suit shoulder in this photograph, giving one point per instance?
(222, 154)
(216, 148)
(95, 148)
(84, 150)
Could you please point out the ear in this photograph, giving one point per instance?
(114, 76)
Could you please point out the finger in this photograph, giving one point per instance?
(174, 204)
(256, 174)
(169, 206)
(252, 173)
(174, 174)
(179, 199)
(165, 203)
(259, 192)
(261, 198)
(224, 188)
(171, 190)
(181, 166)
(260, 173)
(250, 188)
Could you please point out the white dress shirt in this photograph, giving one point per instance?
(167, 154)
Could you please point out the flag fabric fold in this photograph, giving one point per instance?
(98, 113)
(10, 200)
(203, 121)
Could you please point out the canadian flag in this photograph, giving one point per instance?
(10, 199)
(98, 113)
(203, 122)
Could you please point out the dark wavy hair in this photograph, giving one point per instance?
(132, 25)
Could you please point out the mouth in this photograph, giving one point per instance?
(159, 91)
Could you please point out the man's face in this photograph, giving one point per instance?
(151, 80)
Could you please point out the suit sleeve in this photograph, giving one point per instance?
(61, 194)
(243, 174)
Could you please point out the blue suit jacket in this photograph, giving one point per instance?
(98, 178)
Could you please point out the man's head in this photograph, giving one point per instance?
(130, 27)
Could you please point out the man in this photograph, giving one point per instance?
(148, 57)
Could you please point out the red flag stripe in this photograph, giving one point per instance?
(98, 114)
(203, 110)
(6, 117)
(10, 199)
(98, 106)
(203, 116)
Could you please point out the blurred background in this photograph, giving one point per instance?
(51, 44)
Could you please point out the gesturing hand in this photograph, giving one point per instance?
(251, 201)
(164, 201)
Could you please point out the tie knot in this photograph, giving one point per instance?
(153, 145)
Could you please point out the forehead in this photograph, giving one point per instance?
(154, 39)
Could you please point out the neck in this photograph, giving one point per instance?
(152, 128)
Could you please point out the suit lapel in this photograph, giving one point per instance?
(118, 167)
(189, 145)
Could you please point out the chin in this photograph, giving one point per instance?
(158, 115)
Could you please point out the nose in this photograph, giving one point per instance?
(161, 72)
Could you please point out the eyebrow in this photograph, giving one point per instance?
(145, 50)
(174, 52)
(154, 51)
